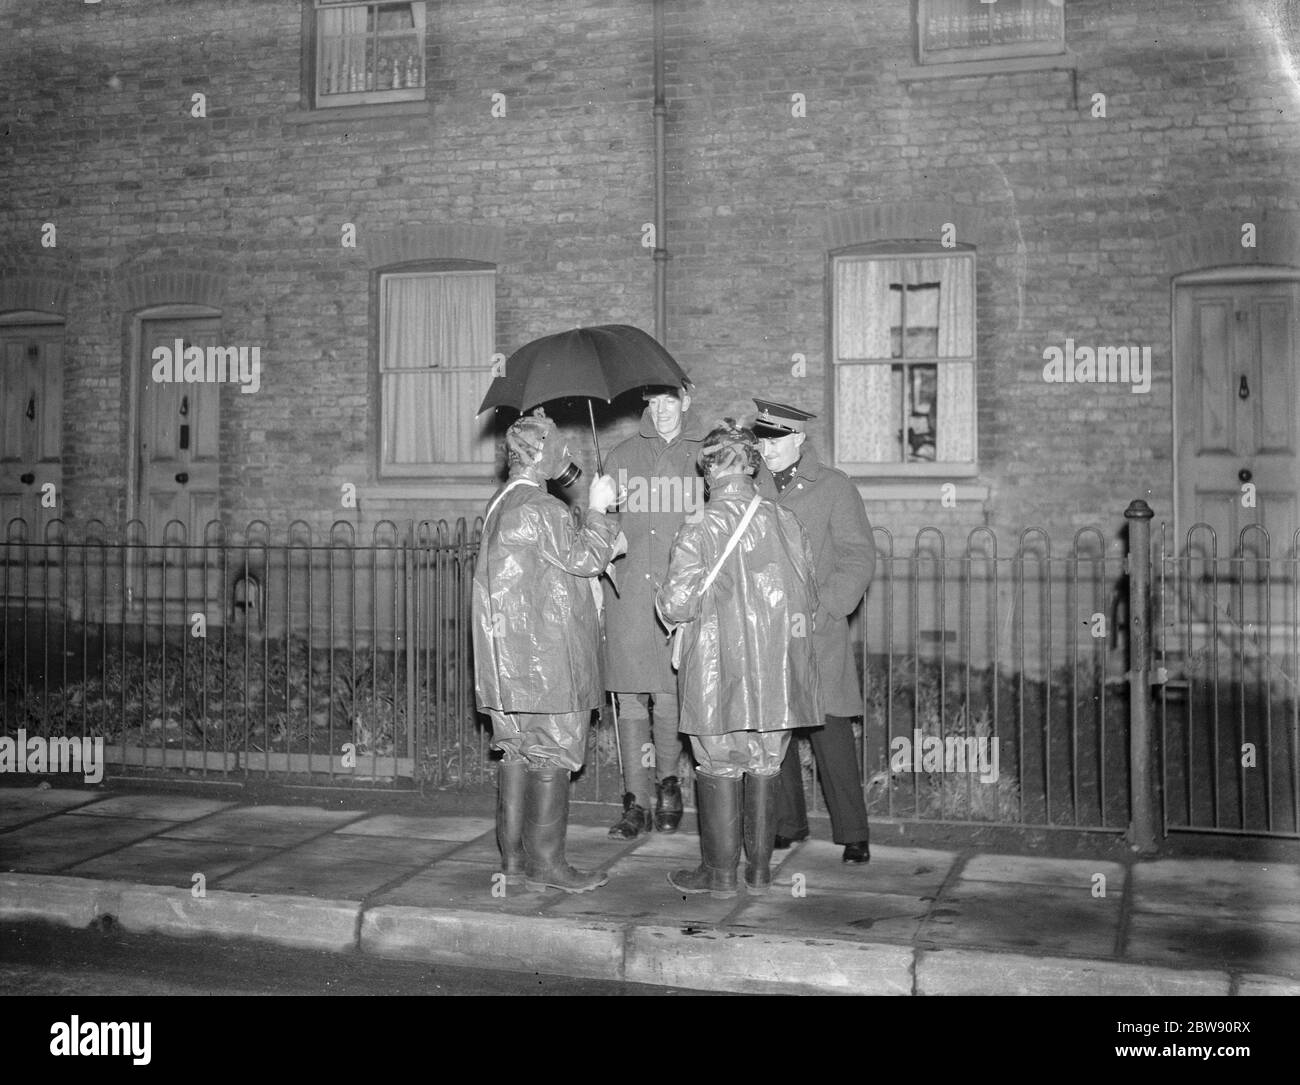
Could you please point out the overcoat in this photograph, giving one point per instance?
(830, 509)
(536, 630)
(664, 487)
(747, 661)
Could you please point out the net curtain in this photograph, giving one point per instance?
(440, 327)
(870, 406)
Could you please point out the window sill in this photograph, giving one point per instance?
(352, 113)
(921, 490)
(442, 489)
(1065, 62)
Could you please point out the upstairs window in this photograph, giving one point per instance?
(957, 30)
(903, 354)
(368, 53)
(436, 338)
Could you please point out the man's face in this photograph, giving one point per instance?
(780, 452)
(666, 410)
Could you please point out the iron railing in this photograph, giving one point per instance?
(1012, 687)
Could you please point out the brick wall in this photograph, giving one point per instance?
(1079, 221)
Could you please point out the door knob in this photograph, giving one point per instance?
(27, 479)
(1244, 475)
(1243, 389)
(183, 477)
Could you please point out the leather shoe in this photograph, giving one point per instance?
(783, 842)
(857, 852)
(635, 820)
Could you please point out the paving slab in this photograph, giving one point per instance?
(159, 861)
(19, 805)
(1014, 916)
(866, 917)
(712, 960)
(1244, 945)
(638, 889)
(1032, 870)
(671, 846)
(159, 807)
(321, 868)
(400, 852)
(453, 883)
(1221, 888)
(65, 839)
(435, 828)
(912, 872)
(980, 972)
(276, 826)
(478, 939)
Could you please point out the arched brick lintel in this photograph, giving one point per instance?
(35, 291)
(173, 284)
(411, 244)
(906, 221)
(1200, 244)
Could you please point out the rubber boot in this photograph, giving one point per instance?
(760, 823)
(546, 823)
(719, 799)
(668, 805)
(512, 780)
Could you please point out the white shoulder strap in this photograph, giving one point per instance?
(732, 542)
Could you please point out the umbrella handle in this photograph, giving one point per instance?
(591, 414)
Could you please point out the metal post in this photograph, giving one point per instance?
(1143, 825)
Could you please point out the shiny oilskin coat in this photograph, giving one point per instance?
(743, 668)
(830, 509)
(533, 570)
(637, 655)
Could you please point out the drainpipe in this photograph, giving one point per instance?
(660, 114)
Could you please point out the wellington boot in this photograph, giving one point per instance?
(512, 780)
(760, 824)
(546, 823)
(719, 799)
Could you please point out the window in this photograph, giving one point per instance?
(955, 30)
(903, 355)
(368, 53)
(436, 337)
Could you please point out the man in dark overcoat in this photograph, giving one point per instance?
(660, 486)
(830, 509)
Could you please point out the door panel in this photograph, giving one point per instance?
(179, 456)
(1236, 352)
(31, 425)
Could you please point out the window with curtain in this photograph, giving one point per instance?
(437, 335)
(953, 30)
(367, 53)
(903, 344)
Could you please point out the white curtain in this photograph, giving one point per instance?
(866, 413)
(441, 326)
(341, 33)
(869, 405)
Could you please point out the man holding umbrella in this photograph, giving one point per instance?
(656, 467)
(536, 647)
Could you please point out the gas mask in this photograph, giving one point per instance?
(536, 433)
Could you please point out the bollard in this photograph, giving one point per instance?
(1143, 822)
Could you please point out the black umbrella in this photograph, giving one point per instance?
(594, 363)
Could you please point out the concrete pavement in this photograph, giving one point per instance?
(915, 920)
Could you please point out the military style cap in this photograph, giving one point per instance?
(778, 419)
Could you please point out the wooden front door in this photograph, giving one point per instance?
(31, 424)
(179, 454)
(1236, 351)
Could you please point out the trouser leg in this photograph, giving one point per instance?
(633, 738)
(790, 810)
(841, 779)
